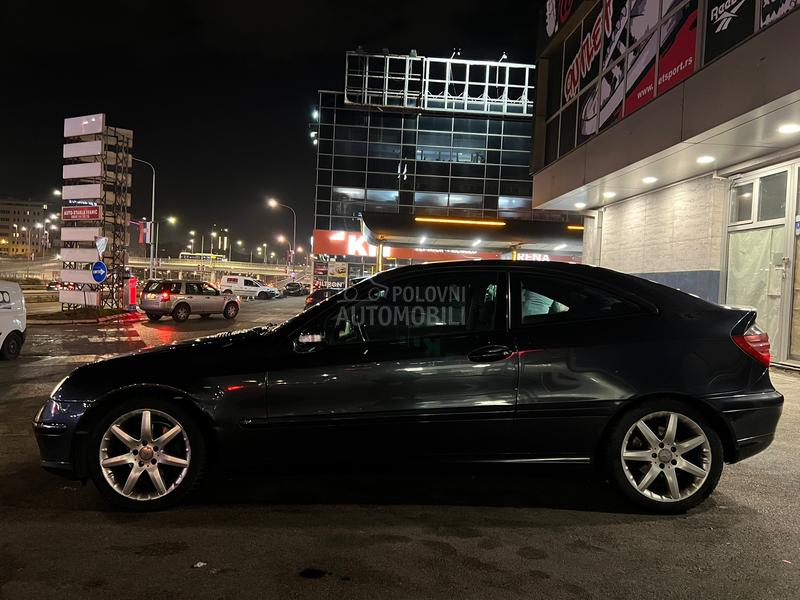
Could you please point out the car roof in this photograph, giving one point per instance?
(643, 288)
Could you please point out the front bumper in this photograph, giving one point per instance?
(751, 419)
(55, 428)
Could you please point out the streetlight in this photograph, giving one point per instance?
(152, 215)
(56, 192)
(272, 203)
(171, 221)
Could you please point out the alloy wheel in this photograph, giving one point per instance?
(144, 454)
(666, 456)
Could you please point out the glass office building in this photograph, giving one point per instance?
(424, 136)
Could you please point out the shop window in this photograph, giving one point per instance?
(349, 148)
(517, 143)
(510, 202)
(323, 192)
(465, 201)
(495, 126)
(324, 161)
(469, 125)
(323, 208)
(381, 180)
(567, 135)
(433, 168)
(384, 150)
(468, 170)
(348, 179)
(433, 184)
(382, 200)
(465, 140)
(772, 196)
(429, 138)
(383, 165)
(742, 203)
(350, 117)
(430, 199)
(468, 186)
(516, 158)
(390, 136)
(436, 123)
(349, 163)
(358, 134)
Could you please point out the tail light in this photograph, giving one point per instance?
(309, 300)
(754, 342)
(165, 296)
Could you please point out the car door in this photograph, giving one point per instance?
(567, 334)
(193, 295)
(423, 366)
(213, 300)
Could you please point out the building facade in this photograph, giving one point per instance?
(415, 136)
(673, 127)
(27, 228)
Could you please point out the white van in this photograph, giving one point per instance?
(13, 322)
(247, 287)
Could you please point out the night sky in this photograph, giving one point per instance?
(219, 94)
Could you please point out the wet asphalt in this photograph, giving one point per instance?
(451, 532)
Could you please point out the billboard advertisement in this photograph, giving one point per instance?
(728, 22)
(81, 213)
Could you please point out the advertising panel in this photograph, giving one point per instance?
(728, 22)
(86, 125)
(678, 47)
(772, 10)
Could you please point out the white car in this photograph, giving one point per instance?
(247, 287)
(13, 320)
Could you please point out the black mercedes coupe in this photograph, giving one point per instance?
(512, 362)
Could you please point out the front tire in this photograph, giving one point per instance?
(665, 456)
(154, 316)
(146, 454)
(231, 310)
(12, 346)
(263, 296)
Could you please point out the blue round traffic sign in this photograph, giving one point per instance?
(99, 271)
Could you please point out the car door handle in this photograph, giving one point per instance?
(490, 353)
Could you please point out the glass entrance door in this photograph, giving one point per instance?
(758, 273)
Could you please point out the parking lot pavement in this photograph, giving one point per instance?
(439, 533)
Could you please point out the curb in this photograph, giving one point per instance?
(121, 317)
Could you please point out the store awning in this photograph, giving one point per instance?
(476, 234)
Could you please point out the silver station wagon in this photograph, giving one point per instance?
(180, 299)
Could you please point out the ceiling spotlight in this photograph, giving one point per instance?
(609, 195)
(580, 205)
(705, 159)
(476, 242)
(422, 239)
(560, 247)
(789, 128)
(648, 180)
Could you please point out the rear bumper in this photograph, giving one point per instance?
(751, 419)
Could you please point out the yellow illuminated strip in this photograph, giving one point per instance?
(575, 227)
(458, 221)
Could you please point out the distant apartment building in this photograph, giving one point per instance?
(28, 228)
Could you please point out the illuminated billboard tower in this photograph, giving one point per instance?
(95, 214)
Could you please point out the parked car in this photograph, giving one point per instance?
(13, 320)
(318, 296)
(488, 361)
(247, 287)
(295, 288)
(180, 299)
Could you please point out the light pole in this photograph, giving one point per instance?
(264, 245)
(152, 216)
(171, 221)
(282, 239)
(274, 204)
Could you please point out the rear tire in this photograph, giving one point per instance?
(188, 446)
(154, 316)
(231, 310)
(664, 455)
(12, 346)
(181, 312)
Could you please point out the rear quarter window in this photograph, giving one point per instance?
(539, 299)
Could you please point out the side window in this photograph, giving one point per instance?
(174, 288)
(430, 305)
(5, 298)
(249, 283)
(335, 328)
(538, 298)
(193, 288)
(210, 290)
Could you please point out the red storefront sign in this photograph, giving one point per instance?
(81, 213)
(352, 243)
